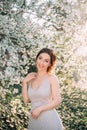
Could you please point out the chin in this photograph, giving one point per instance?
(42, 69)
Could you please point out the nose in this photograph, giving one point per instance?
(42, 62)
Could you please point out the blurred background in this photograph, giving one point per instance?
(26, 26)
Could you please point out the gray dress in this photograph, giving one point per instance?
(47, 120)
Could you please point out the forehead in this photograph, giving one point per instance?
(45, 55)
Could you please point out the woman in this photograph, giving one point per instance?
(42, 90)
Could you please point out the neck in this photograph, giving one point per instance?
(42, 73)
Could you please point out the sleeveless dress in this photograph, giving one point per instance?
(47, 120)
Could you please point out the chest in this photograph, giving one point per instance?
(35, 84)
(43, 91)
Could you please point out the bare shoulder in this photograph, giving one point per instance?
(53, 79)
(31, 73)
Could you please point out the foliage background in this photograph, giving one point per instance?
(25, 27)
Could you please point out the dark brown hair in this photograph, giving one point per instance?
(50, 52)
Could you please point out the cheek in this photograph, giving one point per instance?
(48, 64)
(37, 61)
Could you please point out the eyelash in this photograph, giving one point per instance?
(40, 58)
(45, 60)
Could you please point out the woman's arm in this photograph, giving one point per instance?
(25, 92)
(25, 82)
(56, 98)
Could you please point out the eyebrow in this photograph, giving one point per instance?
(45, 59)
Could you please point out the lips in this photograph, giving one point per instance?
(41, 66)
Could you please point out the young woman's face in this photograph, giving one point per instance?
(43, 62)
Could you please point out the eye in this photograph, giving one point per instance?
(46, 61)
(39, 57)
